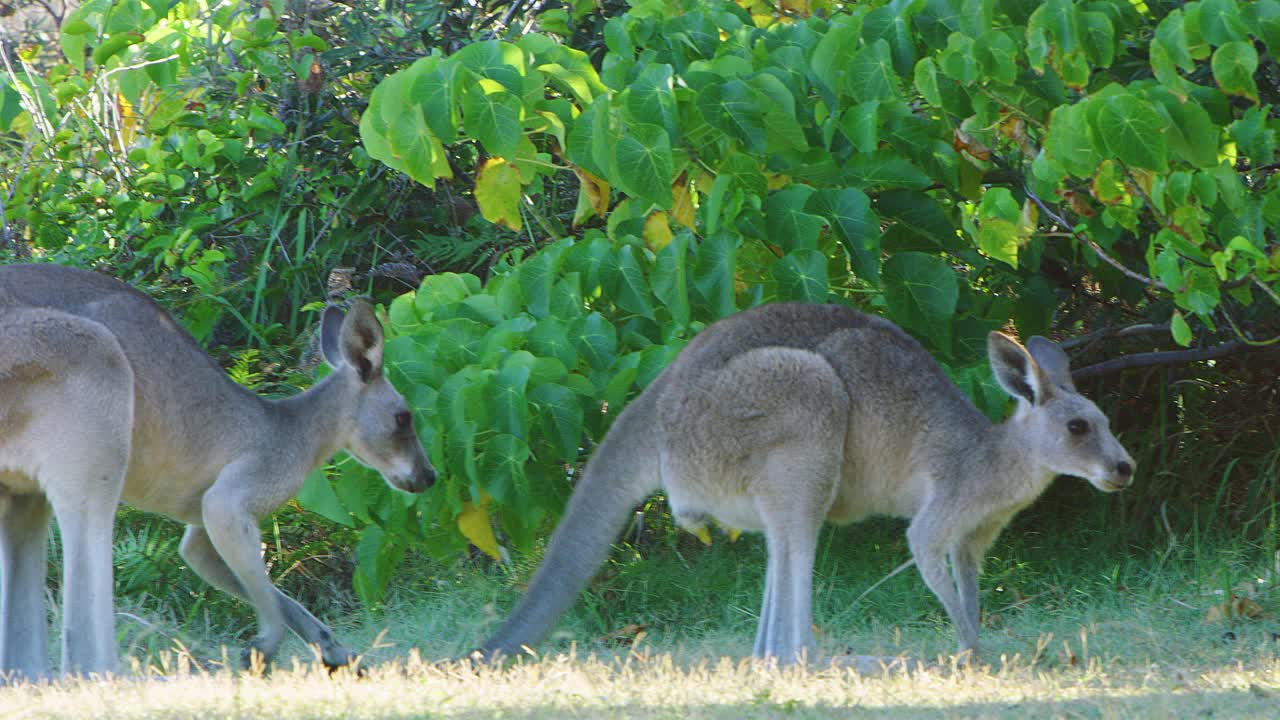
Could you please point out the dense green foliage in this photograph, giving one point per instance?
(948, 163)
(640, 171)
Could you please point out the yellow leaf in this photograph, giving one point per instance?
(702, 533)
(777, 181)
(128, 121)
(682, 198)
(1029, 219)
(593, 196)
(657, 233)
(474, 524)
(797, 7)
(498, 193)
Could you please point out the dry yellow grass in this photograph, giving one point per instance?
(657, 687)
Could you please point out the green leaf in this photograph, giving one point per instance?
(998, 238)
(833, 56)
(734, 109)
(596, 339)
(536, 277)
(789, 226)
(1202, 293)
(492, 117)
(921, 291)
(1099, 38)
(802, 275)
(437, 291)
(957, 61)
(507, 400)
(1220, 22)
(651, 100)
(861, 125)
(714, 274)
(432, 89)
(670, 279)
(550, 338)
(1180, 330)
(502, 469)
(1171, 34)
(1192, 134)
(883, 169)
(633, 291)
(855, 225)
(1233, 66)
(1133, 132)
(317, 495)
(997, 56)
(591, 137)
(642, 158)
(1068, 144)
(560, 416)
(1254, 138)
(926, 79)
(920, 215)
(870, 75)
(495, 60)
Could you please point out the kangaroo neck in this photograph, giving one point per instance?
(1005, 455)
(312, 422)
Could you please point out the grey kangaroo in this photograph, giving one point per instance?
(786, 415)
(104, 398)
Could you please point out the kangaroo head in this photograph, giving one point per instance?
(383, 437)
(1069, 434)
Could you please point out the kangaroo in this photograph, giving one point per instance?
(104, 398)
(783, 416)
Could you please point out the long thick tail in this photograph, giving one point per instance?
(621, 473)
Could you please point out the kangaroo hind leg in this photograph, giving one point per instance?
(24, 628)
(792, 518)
(198, 550)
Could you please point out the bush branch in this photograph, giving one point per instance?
(1090, 242)
(1153, 359)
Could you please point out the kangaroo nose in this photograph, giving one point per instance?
(1124, 468)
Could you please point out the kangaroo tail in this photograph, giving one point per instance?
(621, 473)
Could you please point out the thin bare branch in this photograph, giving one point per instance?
(1090, 242)
(1122, 331)
(1153, 359)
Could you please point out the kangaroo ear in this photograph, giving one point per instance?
(362, 341)
(1052, 360)
(1016, 370)
(330, 334)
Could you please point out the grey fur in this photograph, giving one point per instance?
(784, 416)
(104, 398)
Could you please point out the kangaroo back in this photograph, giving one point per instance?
(622, 471)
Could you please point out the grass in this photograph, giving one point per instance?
(1073, 627)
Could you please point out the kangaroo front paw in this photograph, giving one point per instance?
(337, 656)
(257, 656)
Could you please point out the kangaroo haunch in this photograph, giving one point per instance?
(784, 416)
(104, 398)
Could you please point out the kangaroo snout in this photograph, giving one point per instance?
(422, 477)
(1119, 478)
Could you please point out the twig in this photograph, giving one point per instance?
(883, 580)
(1171, 357)
(1115, 332)
(1266, 289)
(1090, 242)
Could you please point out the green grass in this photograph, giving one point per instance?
(1073, 626)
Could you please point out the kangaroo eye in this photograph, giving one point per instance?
(1078, 427)
(403, 419)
